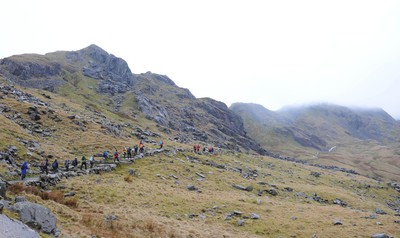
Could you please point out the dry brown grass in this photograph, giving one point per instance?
(71, 202)
(150, 206)
(128, 179)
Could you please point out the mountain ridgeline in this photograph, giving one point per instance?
(320, 126)
(104, 79)
(366, 139)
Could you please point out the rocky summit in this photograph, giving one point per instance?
(90, 149)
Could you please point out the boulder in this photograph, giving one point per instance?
(337, 222)
(20, 199)
(380, 211)
(70, 194)
(248, 188)
(36, 216)
(241, 222)
(380, 235)
(11, 228)
(272, 191)
(191, 188)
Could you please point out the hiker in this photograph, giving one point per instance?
(83, 162)
(105, 155)
(66, 163)
(141, 147)
(129, 152)
(75, 162)
(194, 148)
(124, 151)
(198, 148)
(54, 165)
(135, 148)
(91, 161)
(116, 155)
(24, 167)
(161, 144)
(44, 165)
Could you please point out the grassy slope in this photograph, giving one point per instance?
(158, 206)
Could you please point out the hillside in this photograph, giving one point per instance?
(364, 139)
(93, 77)
(68, 104)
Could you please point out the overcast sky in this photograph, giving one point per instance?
(273, 53)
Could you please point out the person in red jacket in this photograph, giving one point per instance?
(116, 156)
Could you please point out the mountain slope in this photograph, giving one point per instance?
(93, 77)
(365, 140)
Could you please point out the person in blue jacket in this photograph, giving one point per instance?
(23, 170)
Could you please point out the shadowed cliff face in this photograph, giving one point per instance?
(155, 96)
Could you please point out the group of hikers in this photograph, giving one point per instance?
(128, 153)
(44, 165)
(196, 149)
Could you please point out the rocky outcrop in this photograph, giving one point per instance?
(40, 73)
(24, 69)
(11, 228)
(36, 216)
(114, 72)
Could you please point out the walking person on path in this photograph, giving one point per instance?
(116, 156)
(66, 165)
(83, 162)
(24, 167)
(55, 166)
(91, 161)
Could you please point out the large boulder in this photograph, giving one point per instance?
(11, 228)
(36, 216)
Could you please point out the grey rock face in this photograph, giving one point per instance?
(107, 66)
(36, 216)
(11, 228)
(26, 70)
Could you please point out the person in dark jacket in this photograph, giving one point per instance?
(24, 167)
(54, 165)
(75, 162)
(66, 165)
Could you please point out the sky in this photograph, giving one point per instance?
(273, 53)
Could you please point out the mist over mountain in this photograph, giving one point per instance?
(325, 132)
